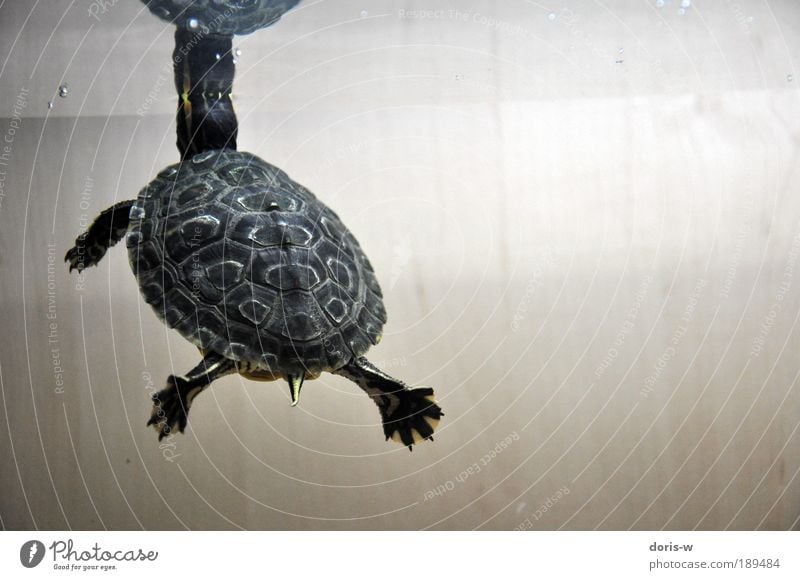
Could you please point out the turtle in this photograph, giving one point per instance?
(224, 17)
(261, 276)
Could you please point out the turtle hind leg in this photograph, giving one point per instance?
(109, 228)
(171, 404)
(409, 415)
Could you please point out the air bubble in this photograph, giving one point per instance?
(137, 212)
(63, 91)
(686, 3)
(681, 11)
(237, 51)
(49, 104)
(193, 23)
(660, 3)
(364, 14)
(789, 78)
(551, 16)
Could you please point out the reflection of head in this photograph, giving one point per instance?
(34, 549)
(215, 16)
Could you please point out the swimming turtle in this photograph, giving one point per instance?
(221, 16)
(262, 277)
(244, 262)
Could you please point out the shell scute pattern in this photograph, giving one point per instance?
(243, 174)
(258, 271)
(250, 304)
(333, 301)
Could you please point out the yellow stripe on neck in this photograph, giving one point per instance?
(187, 104)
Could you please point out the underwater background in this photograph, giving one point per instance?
(584, 217)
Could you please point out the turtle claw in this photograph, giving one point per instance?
(171, 406)
(81, 256)
(417, 416)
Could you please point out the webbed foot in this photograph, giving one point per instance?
(413, 419)
(171, 406)
(83, 254)
(409, 415)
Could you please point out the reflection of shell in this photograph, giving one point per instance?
(221, 16)
(243, 261)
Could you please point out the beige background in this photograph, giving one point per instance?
(584, 216)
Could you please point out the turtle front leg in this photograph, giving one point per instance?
(171, 404)
(409, 415)
(109, 228)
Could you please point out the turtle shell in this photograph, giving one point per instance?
(221, 16)
(245, 262)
